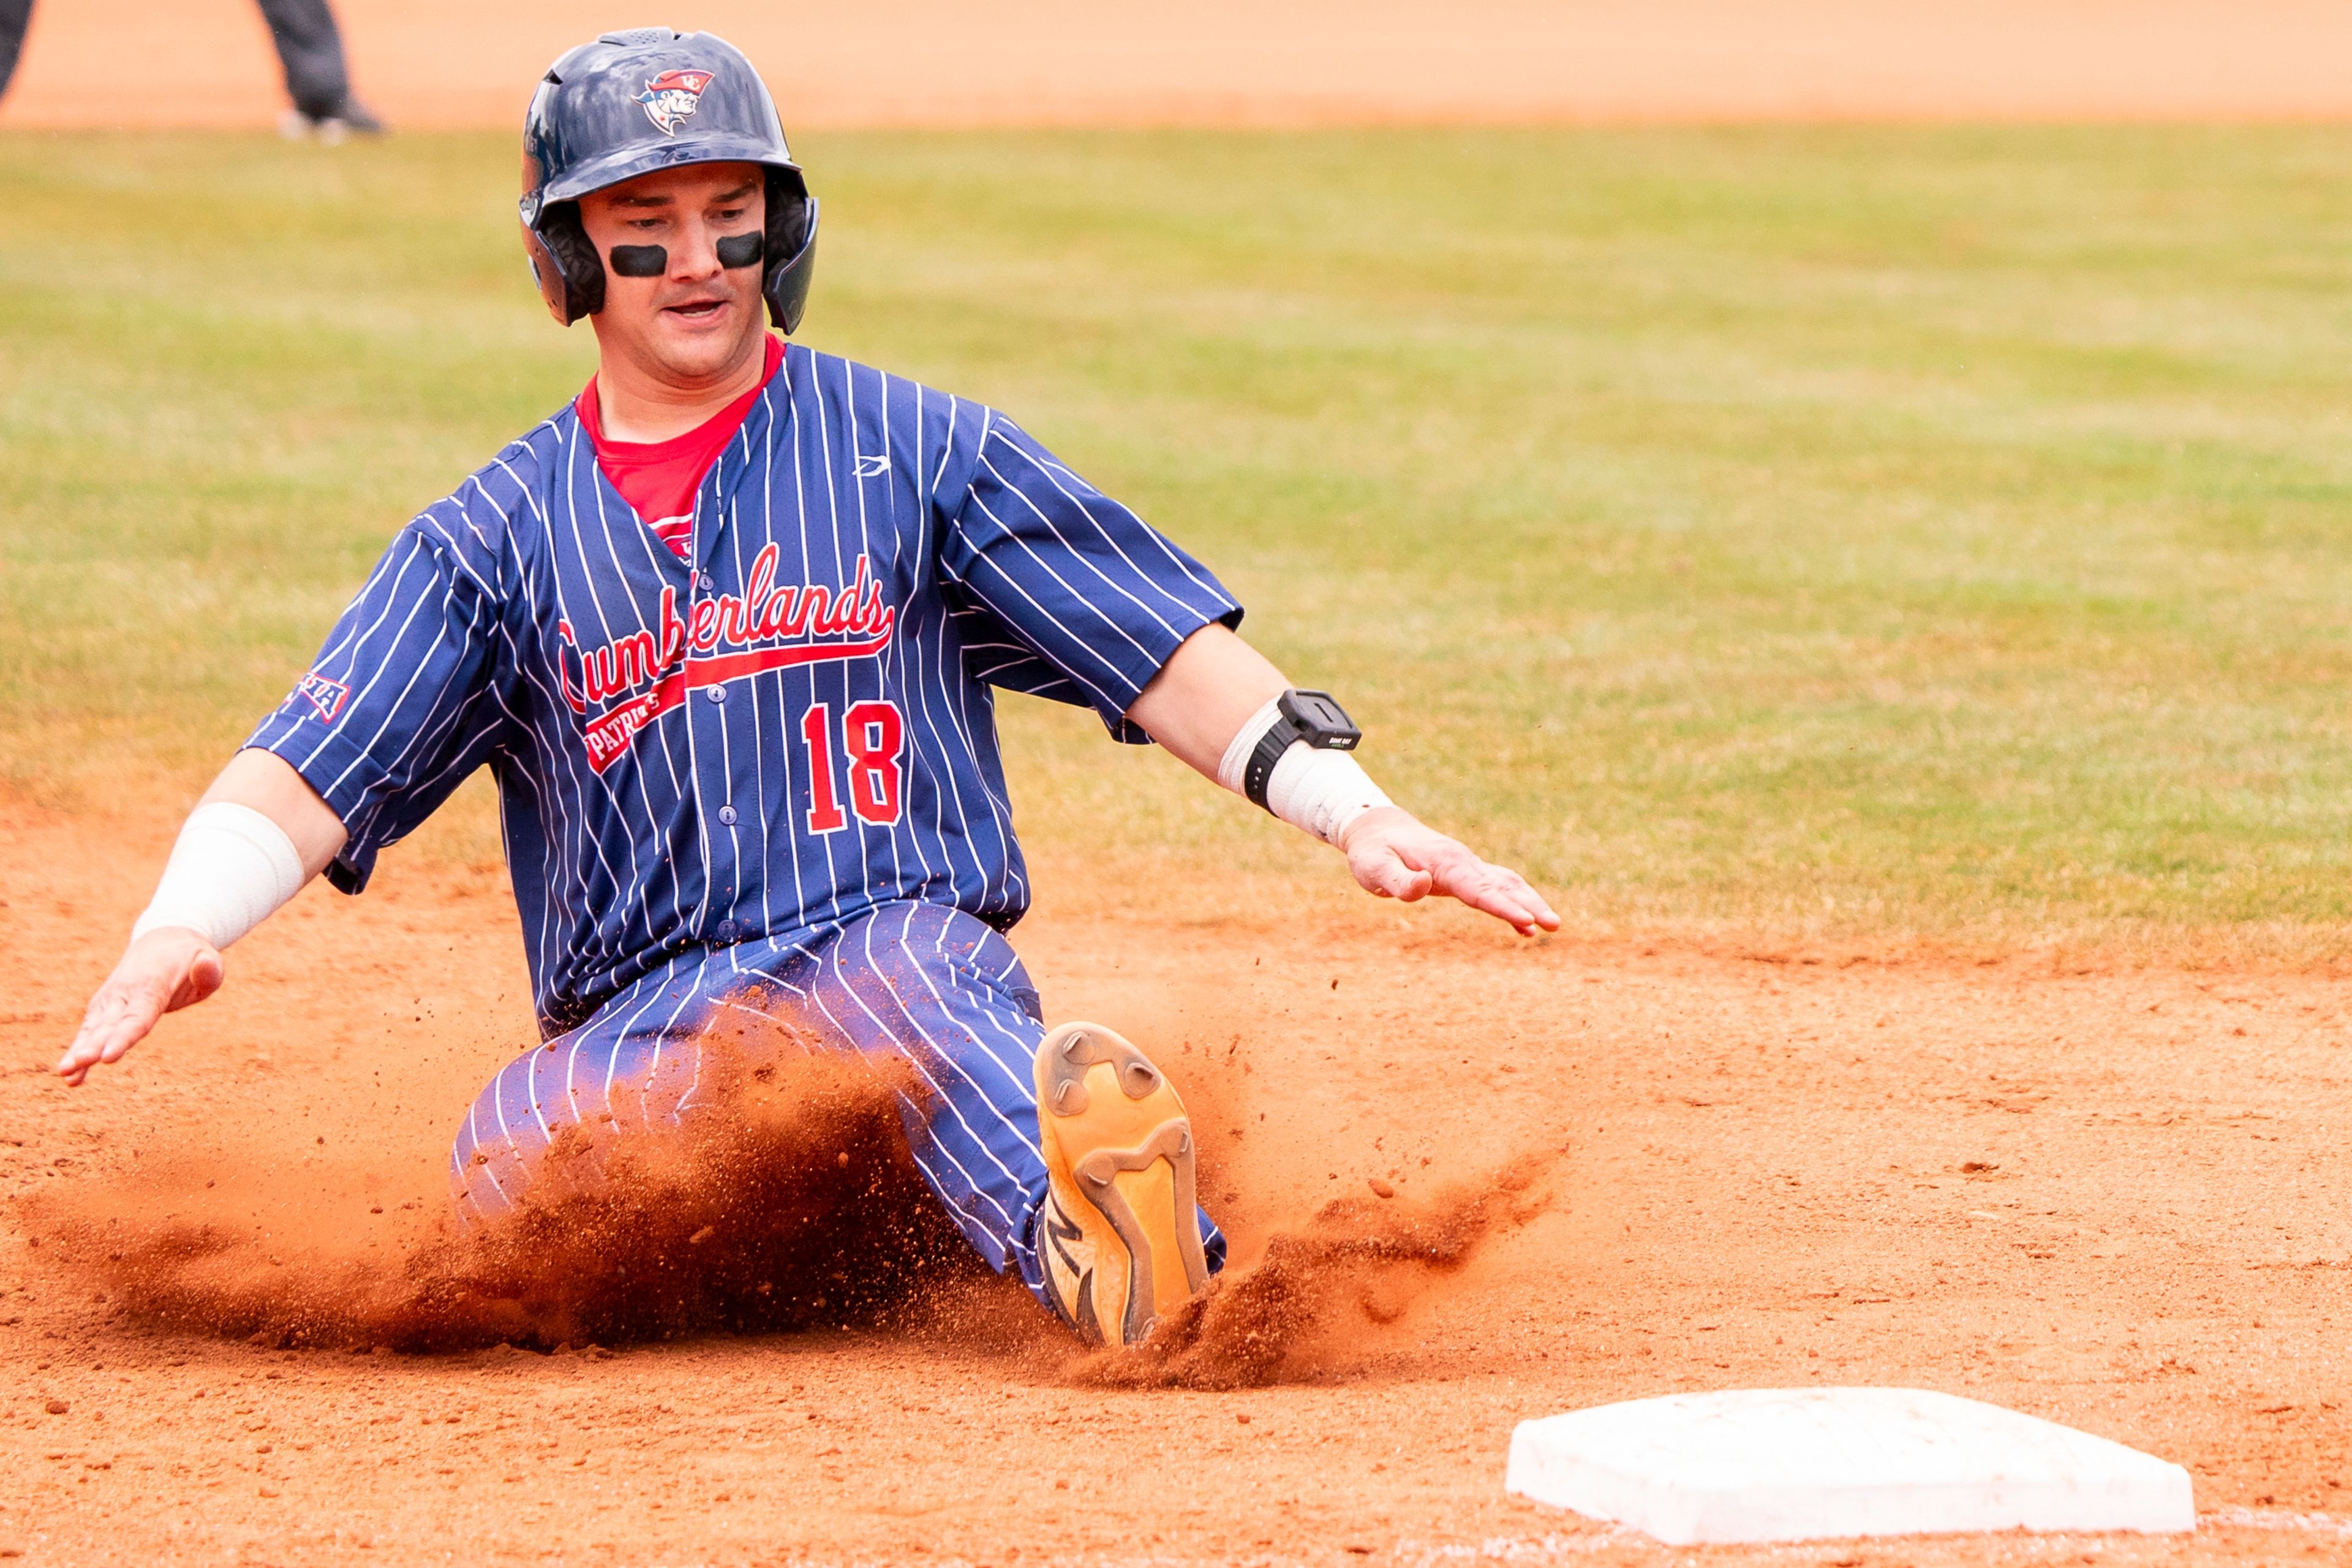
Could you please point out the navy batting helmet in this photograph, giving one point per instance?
(643, 100)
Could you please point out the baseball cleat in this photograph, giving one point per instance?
(1119, 1235)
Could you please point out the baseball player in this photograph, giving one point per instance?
(727, 630)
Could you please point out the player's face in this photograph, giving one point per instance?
(672, 302)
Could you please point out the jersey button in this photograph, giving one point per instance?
(707, 581)
(717, 693)
(726, 816)
(726, 931)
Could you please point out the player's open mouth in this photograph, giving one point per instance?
(698, 309)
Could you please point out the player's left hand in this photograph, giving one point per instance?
(1395, 855)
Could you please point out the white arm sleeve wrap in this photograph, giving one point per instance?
(1319, 792)
(231, 869)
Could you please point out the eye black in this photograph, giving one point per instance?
(641, 260)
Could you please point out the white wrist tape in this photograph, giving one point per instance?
(1317, 792)
(231, 869)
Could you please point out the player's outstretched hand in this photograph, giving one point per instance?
(1394, 854)
(160, 972)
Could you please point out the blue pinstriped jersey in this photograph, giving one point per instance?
(792, 726)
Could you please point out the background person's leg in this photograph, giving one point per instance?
(16, 16)
(310, 51)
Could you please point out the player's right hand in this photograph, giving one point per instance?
(169, 968)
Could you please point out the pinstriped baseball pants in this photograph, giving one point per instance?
(928, 983)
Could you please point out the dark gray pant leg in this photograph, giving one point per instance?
(312, 50)
(16, 16)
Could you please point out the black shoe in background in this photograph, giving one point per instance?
(350, 118)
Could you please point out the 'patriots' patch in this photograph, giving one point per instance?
(327, 696)
(671, 96)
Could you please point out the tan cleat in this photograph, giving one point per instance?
(1119, 1235)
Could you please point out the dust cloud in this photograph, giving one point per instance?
(1321, 1295)
(787, 1203)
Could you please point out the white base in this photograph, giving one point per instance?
(1802, 1464)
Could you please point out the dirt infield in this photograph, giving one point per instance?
(929, 62)
(2109, 1198)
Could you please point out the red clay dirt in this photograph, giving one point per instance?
(441, 63)
(2114, 1199)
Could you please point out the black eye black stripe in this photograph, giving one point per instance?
(741, 249)
(640, 260)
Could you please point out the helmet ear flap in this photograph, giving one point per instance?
(570, 274)
(547, 275)
(791, 248)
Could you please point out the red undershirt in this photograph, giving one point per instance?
(659, 478)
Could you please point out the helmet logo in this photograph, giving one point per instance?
(671, 96)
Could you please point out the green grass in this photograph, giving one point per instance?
(1781, 530)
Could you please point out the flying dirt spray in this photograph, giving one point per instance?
(788, 1203)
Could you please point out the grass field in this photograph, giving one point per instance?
(1796, 532)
